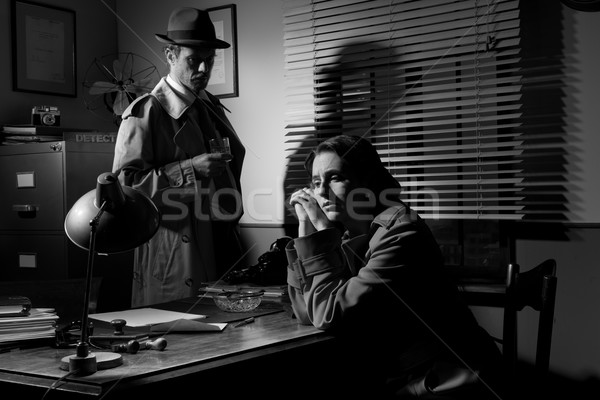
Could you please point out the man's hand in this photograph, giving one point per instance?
(209, 165)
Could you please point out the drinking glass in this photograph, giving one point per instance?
(220, 146)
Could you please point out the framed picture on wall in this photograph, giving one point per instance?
(43, 49)
(224, 78)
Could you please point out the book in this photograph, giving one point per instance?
(14, 306)
(28, 129)
(19, 129)
(15, 139)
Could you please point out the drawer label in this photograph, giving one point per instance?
(26, 179)
(27, 260)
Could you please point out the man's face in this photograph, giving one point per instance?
(193, 67)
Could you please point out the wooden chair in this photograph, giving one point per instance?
(535, 288)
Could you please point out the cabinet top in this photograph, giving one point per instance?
(58, 147)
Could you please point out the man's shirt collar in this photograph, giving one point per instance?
(186, 93)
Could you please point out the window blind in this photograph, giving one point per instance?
(452, 94)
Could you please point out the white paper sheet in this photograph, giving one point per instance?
(144, 316)
(183, 325)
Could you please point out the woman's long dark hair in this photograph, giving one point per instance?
(364, 164)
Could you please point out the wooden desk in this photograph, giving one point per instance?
(237, 361)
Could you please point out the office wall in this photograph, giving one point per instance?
(258, 114)
(582, 96)
(95, 35)
(575, 350)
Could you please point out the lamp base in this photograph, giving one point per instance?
(91, 363)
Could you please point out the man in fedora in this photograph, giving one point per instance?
(163, 150)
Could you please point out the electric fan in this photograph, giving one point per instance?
(113, 81)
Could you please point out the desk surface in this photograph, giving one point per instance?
(185, 355)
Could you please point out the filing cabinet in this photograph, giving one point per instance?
(40, 182)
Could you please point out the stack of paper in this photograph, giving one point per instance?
(39, 324)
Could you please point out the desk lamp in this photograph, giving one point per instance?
(110, 219)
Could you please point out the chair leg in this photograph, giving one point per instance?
(509, 335)
(546, 321)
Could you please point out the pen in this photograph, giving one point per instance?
(244, 322)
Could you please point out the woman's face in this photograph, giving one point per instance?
(331, 185)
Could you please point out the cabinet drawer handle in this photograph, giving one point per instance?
(24, 208)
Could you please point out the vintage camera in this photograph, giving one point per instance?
(45, 115)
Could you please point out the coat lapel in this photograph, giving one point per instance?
(189, 138)
(187, 133)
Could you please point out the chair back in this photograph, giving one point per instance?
(535, 288)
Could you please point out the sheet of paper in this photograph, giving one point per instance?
(145, 316)
(183, 325)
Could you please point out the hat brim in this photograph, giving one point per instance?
(210, 44)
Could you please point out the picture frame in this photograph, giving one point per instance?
(224, 78)
(43, 49)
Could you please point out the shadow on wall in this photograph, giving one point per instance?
(345, 87)
(543, 114)
(356, 90)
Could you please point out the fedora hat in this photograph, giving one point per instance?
(191, 27)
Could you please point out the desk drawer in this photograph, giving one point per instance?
(32, 197)
(32, 257)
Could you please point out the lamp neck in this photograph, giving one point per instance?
(96, 220)
(83, 346)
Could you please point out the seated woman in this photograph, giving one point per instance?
(367, 268)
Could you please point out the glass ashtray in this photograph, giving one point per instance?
(238, 301)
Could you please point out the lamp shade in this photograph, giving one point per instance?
(129, 218)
